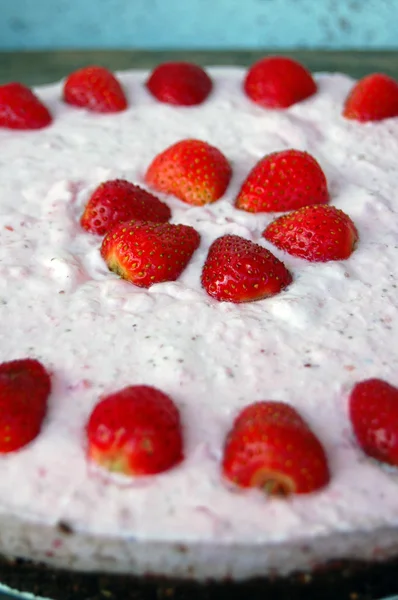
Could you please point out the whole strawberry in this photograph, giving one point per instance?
(283, 181)
(278, 82)
(373, 98)
(136, 431)
(192, 170)
(180, 83)
(317, 233)
(373, 410)
(96, 89)
(237, 270)
(119, 200)
(272, 448)
(24, 390)
(21, 109)
(147, 253)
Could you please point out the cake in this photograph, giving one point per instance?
(333, 326)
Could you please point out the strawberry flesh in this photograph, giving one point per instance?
(119, 200)
(24, 390)
(283, 181)
(237, 270)
(192, 170)
(317, 233)
(96, 89)
(21, 109)
(272, 448)
(147, 253)
(179, 83)
(278, 82)
(136, 431)
(373, 409)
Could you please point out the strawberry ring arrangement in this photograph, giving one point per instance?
(137, 430)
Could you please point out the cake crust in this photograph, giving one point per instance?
(346, 580)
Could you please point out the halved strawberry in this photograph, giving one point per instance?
(373, 409)
(278, 82)
(118, 200)
(270, 411)
(192, 170)
(96, 89)
(180, 83)
(271, 447)
(283, 181)
(24, 390)
(317, 233)
(147, 253)
(21, 109)
(237, 270)
(136, 431)
(372, 98)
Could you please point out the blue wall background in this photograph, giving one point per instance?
(36, 24)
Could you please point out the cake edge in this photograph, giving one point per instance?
(347, 580)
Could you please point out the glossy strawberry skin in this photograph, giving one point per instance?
(135, 431)
(268, 411)
(283, 181)
(373, 410)
(179, 83)
(191, 170)
(372, 98)
(147, 253)
(237, 270)
(278, 82)
(272, 448)
(317, 233)
(96, 89)
(21, 109)
(24, 390)
(118, 200)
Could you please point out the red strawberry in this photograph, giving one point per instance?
(373, 98)
(21, 109)
(236, 270)
(147, 253)
(278, 82)
(119, 200)
(272, 448)
(283, 181)
(180, 83)
(268, 411)
(24, 389)
(136, 431)
(96, 89)
(192, 170)
(318, 233)
(373, 408)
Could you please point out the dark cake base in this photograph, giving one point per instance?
(345, 580)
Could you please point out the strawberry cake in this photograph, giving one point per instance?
(198, 294)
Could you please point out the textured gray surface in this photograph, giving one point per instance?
(45, 67)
